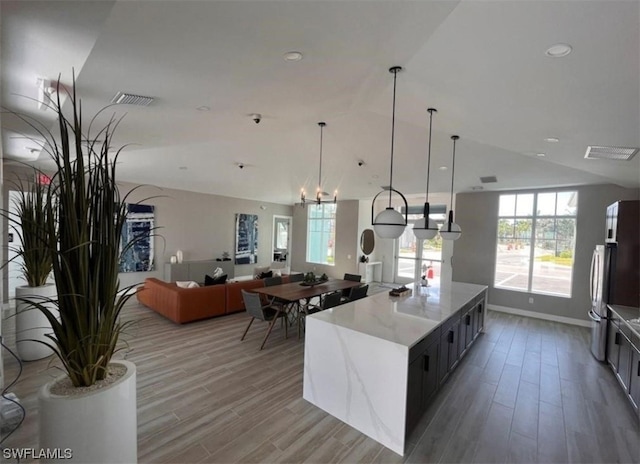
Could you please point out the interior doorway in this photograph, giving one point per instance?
(281, 243)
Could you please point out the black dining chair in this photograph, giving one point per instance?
(298, 277)
(304, 309)
(357, 293)
(352, 278)
(271, 281)
(331, 300)
(267, 313)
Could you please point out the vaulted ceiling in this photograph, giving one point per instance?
(481, 64)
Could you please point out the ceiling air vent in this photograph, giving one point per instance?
(122, 98)
(610, 153)
(488, 179)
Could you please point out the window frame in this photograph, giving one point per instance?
(323, 218)
(532, 237)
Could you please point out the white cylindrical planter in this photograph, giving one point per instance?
(31, 324)
(97, 427)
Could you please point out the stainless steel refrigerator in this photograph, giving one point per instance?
(615, 270)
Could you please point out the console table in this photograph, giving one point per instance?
(371, 272)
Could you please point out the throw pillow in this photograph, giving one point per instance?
(208, 280)
(187, 284)
(264, 275)
(217, 273)
(260, 270)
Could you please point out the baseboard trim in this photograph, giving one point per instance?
(536, 315)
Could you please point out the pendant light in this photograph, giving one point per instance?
(426, 228)
(450, 230)
(389, 223)
(318, 200)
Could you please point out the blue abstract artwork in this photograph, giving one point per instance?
(136, 244)
(246, 239)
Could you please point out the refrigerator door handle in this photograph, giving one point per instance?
(594, 317)
(591, 274)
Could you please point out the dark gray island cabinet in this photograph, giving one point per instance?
(433, 358)
(377, 363)
(623, 350)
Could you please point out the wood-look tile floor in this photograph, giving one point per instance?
(529, 391)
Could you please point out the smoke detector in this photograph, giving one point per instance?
(610, 153)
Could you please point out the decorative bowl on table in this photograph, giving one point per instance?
(311, 283)
(310, 279)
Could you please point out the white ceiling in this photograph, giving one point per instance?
(481, 64)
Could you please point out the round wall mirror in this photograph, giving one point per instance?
(367, 241)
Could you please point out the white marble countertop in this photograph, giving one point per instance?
(402, 320)
(630, 315)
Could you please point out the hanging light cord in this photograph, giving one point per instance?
(431, 111)
(393, 130)
(318, 195)
(453, 169)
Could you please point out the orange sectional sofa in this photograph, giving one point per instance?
(191, 304)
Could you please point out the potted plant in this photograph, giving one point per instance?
(35, 262)
(90, 411)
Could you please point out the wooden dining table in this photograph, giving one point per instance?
(291, 293)
(295, 291)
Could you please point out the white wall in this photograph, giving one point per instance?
(475, 252)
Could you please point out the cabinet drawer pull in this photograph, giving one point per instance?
(617, 338)
(468, 320)
(426, 363)
(638, 368)
(480, 308)
(450, 336)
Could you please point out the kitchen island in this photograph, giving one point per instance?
(376, 363)
(623, 350)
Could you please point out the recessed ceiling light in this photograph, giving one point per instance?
(203, 108)
(558, 50)
(552, 139)
(541, 154)
(292, 56)
(477, 187)
(375, 176)
(443, 168)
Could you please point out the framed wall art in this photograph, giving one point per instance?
(137, 230)
(246, 239)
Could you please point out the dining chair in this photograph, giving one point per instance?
(304, 310)
(298, 277)
(271, 281)
(331, 300)
(266, 313)
(352, 278)
(357, 293)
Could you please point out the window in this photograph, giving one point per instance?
(321, 233)
(536, 242)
